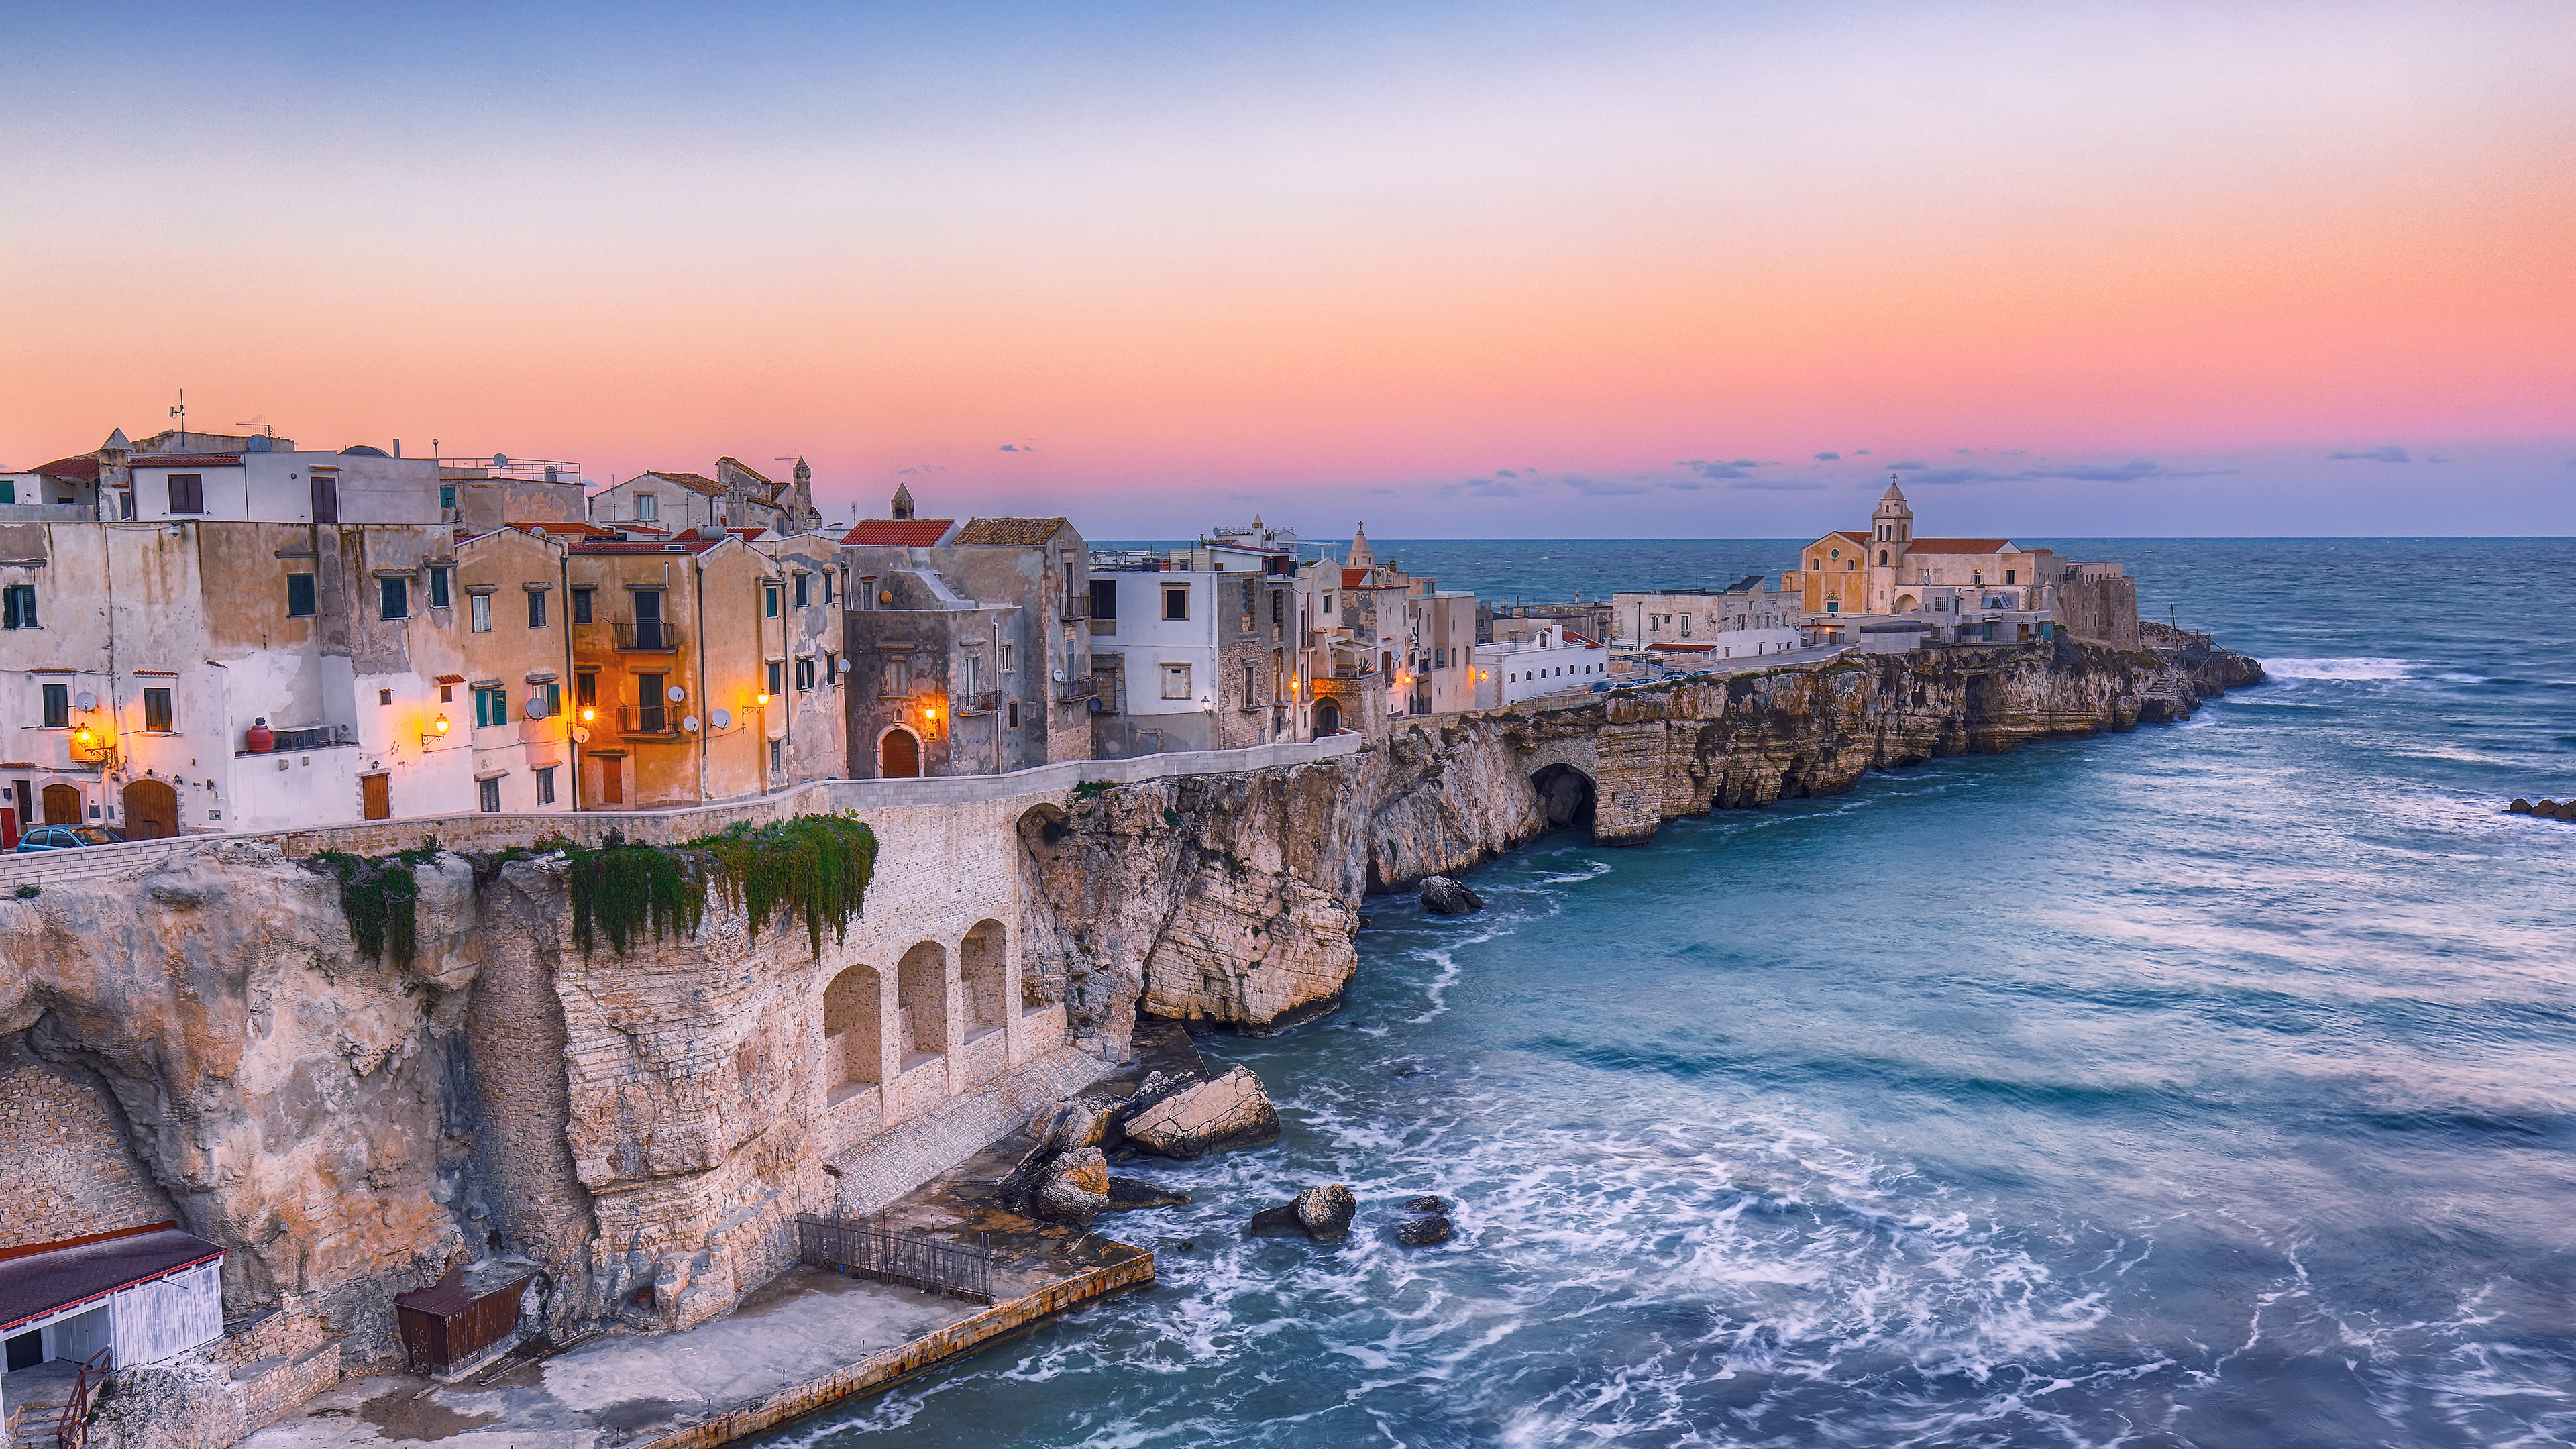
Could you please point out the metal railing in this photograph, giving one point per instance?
(647, 719)
(648, 637)
(860, 1247)
(311, 737)
(1076, 607)
(1081, 687)
(982, 701)
(521, 470)
(71, 1431)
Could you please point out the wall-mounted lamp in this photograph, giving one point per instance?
(930, 712)
(588, 714)
(437, 731)
(761, 699)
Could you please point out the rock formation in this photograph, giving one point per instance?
(1231, 1111)
(1442, 896)
(1076, 1188)
(1321, 1213)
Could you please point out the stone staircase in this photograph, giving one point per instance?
(36, 1398)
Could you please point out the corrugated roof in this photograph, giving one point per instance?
(1013, 532)
(38, 1283)
(186, 460)
(900, 532)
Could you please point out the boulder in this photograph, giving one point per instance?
(1232, 1111)
(1422, 1232)
(1321, 1213)
(1427, 1203)
(1135, 1192)
(1442, 896)
(2520, 806)
(1076, 1189)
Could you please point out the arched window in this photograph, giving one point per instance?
(852, 1053)
(921, 1003)
(1882, 558)
(981, 973)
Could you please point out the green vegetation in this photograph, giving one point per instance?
(29, 893)
(1089, 789)
(816, 867)
(377, 897)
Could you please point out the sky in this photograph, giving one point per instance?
(1492, 270)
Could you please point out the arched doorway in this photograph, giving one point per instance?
(62, 805)
(921, 1001)
(981, 974)
(898, 755)
(1328, 717)
(1565, 796)
(852, 1055)
(1907, 604)
(151, 810)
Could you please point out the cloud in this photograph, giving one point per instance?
(2016, 452)
(1778, 485)
(1718, 470)
(2390, 454)
(1909, 465)
(1954, 475)
(2133, 471)
(1505, 473)
(1016, 448)
(1486, 488)
(1963, 452)
(1829, 457)
(1602, 487)
(1863, 453)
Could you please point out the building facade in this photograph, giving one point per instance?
(738, 496)
(1745, 618)
(1550, 662)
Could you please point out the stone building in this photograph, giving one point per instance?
(482, 494)
(805, 665)
(1382, 644)
(739, 496)
(969, 646)
(1196, 648)
(1744, 618)
(1888, 572)
(225, 632)
(509, 708)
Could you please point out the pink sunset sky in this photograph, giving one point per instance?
(1622, 270)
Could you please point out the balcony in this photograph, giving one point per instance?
(980, 702)
(650, 636)
(311, 737)
(1078, 688)
(1077, 607)
(648, 721)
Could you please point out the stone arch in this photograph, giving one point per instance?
(1907, 604)
(983, 979)
(853, 1038)
(921, 1003)
(1328, 717)
(898, 754)
(151, 809)
(1565, 795)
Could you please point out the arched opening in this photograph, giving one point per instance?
(1565, 795)
(62, 805)
(151, 810)
(1328, 717)
(983, 979)
(853, 1050)
(898, 755)
(1907, 604)
(921, 1003)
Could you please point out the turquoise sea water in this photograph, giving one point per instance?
(2210, 1085)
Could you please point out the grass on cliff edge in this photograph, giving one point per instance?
(816, 867)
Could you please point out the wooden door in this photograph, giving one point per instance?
(612, 783)
(62, 805)
(151, 810)
(898, 756)
(377, 794)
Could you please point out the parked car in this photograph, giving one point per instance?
(67, 837)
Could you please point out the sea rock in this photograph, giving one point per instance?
(1321, 1213)
(1076, 1189)
(1422, 1232)
(1427, 1203)
(1442, 896)
(1232, 1111)
(2520, 806)
(1135, 1192)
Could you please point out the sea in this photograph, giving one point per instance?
(2211, 1084)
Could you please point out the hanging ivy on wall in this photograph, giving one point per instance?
(377, 898)
(813, 867)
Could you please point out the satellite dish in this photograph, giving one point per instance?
(690, 724)
(678, 694)
(85, 700)
(580, 736)
(500, 460)
(843, 666)
(721, 719)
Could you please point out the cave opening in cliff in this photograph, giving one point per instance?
(1566, 796)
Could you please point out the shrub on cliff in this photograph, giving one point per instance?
(815, 867)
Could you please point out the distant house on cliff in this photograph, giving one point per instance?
(1969, 589)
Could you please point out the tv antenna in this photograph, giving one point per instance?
(270, 428)
(181, 411)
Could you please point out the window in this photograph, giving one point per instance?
(777, 755)
(326, 497)
(58, 706)
(777, 678)
(1176, 603)
(439, 595)
(581, 606)
(827, 586)
(898, 677)
(769, 601)
(1104, 598)
(1248, 600)
(187, 493)
(447, 497)
(479, 607)
(801, 600)
(1011, 715)
(8, 490)
(585, 687)
(545, 699)
(649, 701)
(1006, 659)
(1278, 612)
(156, 711)
(386, 696)
(396, 594)
(299, 596)
(18, 606)
(1248, 695)
(491, 706)
(1328, 603)
(829, 671)
(2008, 576)
(1176, 681)
(536, 608)
(546, 785)
(804, 674)
(491, 796)
(647, 508)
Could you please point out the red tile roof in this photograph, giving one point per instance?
(691, 481)
(1011, 532)
(1959, 545)
(68, 468)
(186, 460)
(900, 532)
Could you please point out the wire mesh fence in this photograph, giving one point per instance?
(914, 1259)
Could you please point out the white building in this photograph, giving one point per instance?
(739, 496)
(1551, 661)
(1743, 620)
(1196, 649)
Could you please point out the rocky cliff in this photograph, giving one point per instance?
(1235, 899)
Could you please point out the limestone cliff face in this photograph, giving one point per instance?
(1235, 899)
(286, 1094)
